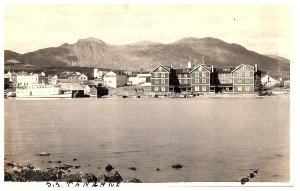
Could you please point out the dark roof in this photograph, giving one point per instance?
(225, 70)
(182, 70)
(92, 86)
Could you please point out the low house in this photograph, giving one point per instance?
(114, 80)
(286, 84)
(6, 81)
(74, 88)
(268, 81)
(82, 78)
(95, 91)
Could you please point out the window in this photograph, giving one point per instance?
(179, 81)
(230, 80)
(196, 81)
(204, 88)
(156, 89)
(185, 75)
(239, 81)
(247, 88)
(163, 89)
(203, 74)
(196, 74)
(203, 81)
(156, 75)
(179, 75)
(163, 81)
(240, 88)
(156, 81)
(247, 73)
(239, 74)
(196, 88)
(162, 75)
(247, 80)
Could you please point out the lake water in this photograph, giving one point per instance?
(215, 139)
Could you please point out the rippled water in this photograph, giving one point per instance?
(217, 139)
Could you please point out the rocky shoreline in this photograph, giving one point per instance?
(15, 172)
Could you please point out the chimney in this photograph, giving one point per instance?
(203, 62)
(189, 65)
(255, 67)
(212, 68)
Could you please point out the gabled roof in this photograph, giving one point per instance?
(246, 65)
(166, 68)
(201, 65)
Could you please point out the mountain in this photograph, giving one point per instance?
(92, 52)
(12, 57)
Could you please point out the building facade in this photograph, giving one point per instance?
(114, 80)
(243, 78)
(27, 80)
(203, 79)
(200, 78)
(160, 79)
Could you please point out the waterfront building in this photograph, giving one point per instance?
(268, 81)
(160, 79)
(201, 78)
(114, 80)
(225, 79)
(243, 78)
(26, 80)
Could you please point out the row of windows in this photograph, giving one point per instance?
(247, 80)
(163, 89)
(162, 75)
(241, 73)
(162, 81)
(197, 88)
(203, 81)
(240, 88)
(197, 74)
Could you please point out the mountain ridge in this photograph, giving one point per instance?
(146, 55)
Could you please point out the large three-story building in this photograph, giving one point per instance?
(202, 78)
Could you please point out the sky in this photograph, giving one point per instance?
(266, 29)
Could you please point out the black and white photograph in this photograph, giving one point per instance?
(110, 95)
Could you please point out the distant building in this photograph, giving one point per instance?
(98, 74)
(53, 79)
(26, 80)
(75, 88)
(142, 78)
(95, 91)
(114, 80)
(82, 78)
(268, 81)
(286, 84)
